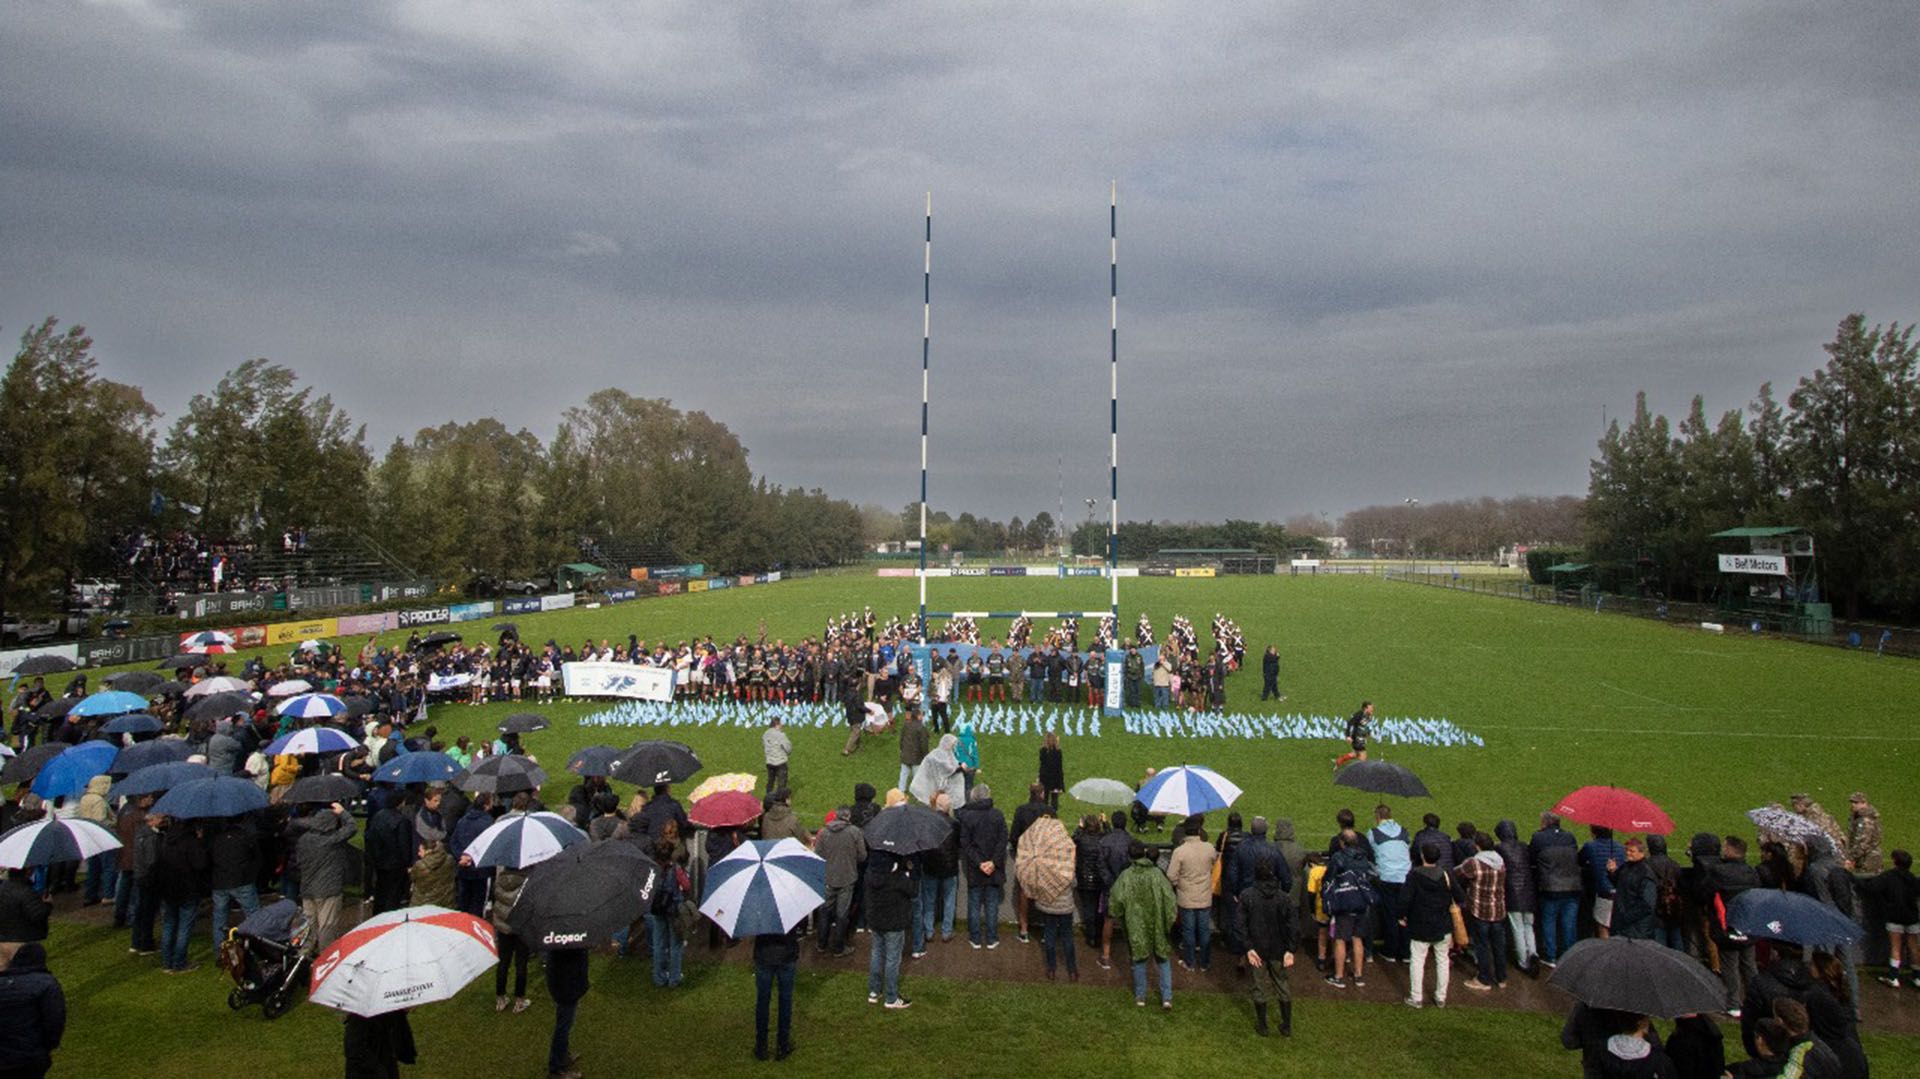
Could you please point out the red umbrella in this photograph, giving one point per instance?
(1617, 808)
(724, 809)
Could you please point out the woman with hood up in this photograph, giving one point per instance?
(941, 773)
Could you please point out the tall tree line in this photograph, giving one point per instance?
(1840, 459)
(82, 464)
(1462, 528)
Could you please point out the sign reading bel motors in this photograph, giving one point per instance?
(1772, 565)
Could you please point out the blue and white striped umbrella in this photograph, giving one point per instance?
(1187, 789)
(54, 839)
(519, 840)
(312, 706)
(207, 642)
(68, 774)
(764, 886)
(109, 702)
(429, 766)
(311, 740)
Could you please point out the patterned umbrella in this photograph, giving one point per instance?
(207, 643)
(1044, 866)
(726, 781)
(312, 706)
(206, 687)
(54, 839)
(1187, 789)
(764, 886)
(519, 840)
(402, 959)
(310, 740)
(1788, 825)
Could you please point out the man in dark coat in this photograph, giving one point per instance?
(774, 958)
(567, 982)
(983, 854)
(660, 809)
(469, 881)
(376, 1046)
(1269, 927)
(23, 911)
(1556, 873)
(891, 883)
(390, 850)
(33, 1011)
(1523, 898)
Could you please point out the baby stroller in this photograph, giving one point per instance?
(267, 957)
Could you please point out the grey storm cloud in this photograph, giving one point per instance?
(1367, 252)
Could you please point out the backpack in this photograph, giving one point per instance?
(1667, 904)
(146, 853)
(1348, 893)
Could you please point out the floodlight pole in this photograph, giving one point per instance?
(1113, 378)
(926, 346)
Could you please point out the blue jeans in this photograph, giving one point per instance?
(883, 963)
(557, 1050)
(103, 876)
(667, 949)
(937, 895)
(983, 914)
(1490, 950)
(1056, 932)
(1162, 696)
(1140, 980)
(1196, 935)
(176, 930)
(1036, 689)
(247, 895)
(1558, 915)
(124, 893)
(764, 980)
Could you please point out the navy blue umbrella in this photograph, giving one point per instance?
(159, 778)
(431, 766)
(134, 723)
(594, 760)
(221, 796)
(1790, 916)
(140, 755)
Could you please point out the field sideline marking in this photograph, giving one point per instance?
(1706, 734)
(1644, 697)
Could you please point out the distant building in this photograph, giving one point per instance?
(1336, 545)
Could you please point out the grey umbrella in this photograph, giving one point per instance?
(220, 705)
(1638, 976)
(43, 664)
(174, 663)
(141, 682)
(331, 787)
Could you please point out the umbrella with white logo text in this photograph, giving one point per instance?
(403, 959)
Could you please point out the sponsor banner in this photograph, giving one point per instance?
(621, 595)
(428, 616)
(1127, 571)
(1082, 571)
(763, 578)
(300, 599)
(12, 657)
(557, 602)
(1771, 565)
(717, 583)
(520, 604)
(1156, 571)
(442, 683)
(677, 573)
(469, 612)
(774, 577)
(1116, 682)
(668, 588)
(1040, 571)
(895, 571)
(747, 581)
(968, 571)
(295, 632)
(1305, 563)
(939, 571)
(405, 590)
(1194, 571)
(220, 603)
(638, 573)
(354, 625)
(1006, 571)
(618, 680)
(697, 586)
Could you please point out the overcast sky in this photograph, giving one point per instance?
(1366, 254)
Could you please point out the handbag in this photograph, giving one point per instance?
(1459, 919)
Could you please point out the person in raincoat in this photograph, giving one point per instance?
(1142, 902)
(432, 877)
(940, 773)
(967, 752)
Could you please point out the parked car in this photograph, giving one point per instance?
(18, 631)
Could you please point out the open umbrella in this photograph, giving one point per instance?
(221, 796)
(108, 702)
(524, 723)
(593, 761)
(764, 886)
(506, 627)
(135, 682)
(54, 839)
(159, 778)
(322, 789)
(1102, 792)
(519, 840)
(580, 897)
(1617, 808)
(907, 829)
(292, 687)
(313, 646)
(67, 775)
(506, 774)
(358, 705)
(430, 766)
(725, 781)
(724, 809)
(312, 706)
(1788, 825)
(171, 688)
(28, 764)
(6, 751)
(145, 754)
(1044, 867)
(220, 705)
(56, 708)
(1381, 777)
(43, 663)
(131, 723)
(311, 740)
(656, 761)
(184, 660)
(403, 959)
(220, 683)
(1636, 976)
(208, 643)
(1187, 789)
(435, 640)
(1791, 916)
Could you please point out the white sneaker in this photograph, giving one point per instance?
(873, 998)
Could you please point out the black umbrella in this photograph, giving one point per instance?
(141, 682)
(220, 705)
(435, 640)
(907, 829)
(171, 689)
(43, 664)
(141, 754)
(358, 706)
(1638, 976)
(331, 787)
(24, 767)
(1381, 777)
(506, 627)
(506, 774)
(56, 708)
(593, 761)
(188, 660)
(656, 761)
(582, 896)
(523, 723)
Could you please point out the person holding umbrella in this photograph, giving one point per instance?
(321, 851)
(891, 886)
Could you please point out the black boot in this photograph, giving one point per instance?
(1260, 1019)
(760, 1049)
(1286, 1019)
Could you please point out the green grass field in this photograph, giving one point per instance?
(1708, 726)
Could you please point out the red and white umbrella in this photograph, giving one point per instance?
(402, 959)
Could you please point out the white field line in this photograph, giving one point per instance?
(1721, 733)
